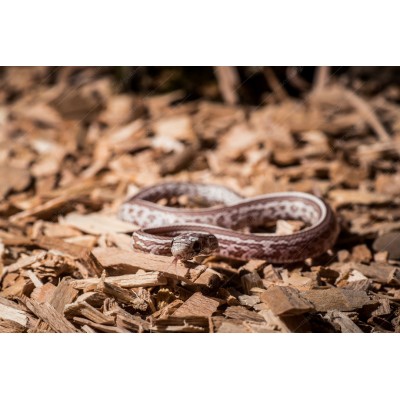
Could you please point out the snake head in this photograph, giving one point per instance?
(191, 244)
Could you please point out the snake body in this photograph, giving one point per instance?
(187, 232)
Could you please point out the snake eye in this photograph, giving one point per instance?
(196, 246)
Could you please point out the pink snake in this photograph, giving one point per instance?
(185, 233)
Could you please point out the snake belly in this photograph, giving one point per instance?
(159, 224)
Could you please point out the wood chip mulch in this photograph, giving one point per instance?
(74, 146)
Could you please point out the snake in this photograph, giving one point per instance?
(224, 226)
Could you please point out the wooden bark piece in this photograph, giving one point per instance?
(250, 281)
(73, 250)
(8, 326)
(95, 299)
(179, 161)
(168, 309)
(57, 297)
(122, 261)
(228, 83)
(18, 288)
(23, 263)
(98, 224)
(99, 327)
(345, 324)
(63, 295)
(337, 299)
(86, 310)
(132, 323)
(241, 313)
(361, 253)
(197, 305)
(44, 210)
(341, 197)
(284, 227)
(389, 242)
(195, 324)
(271, 275)
(147, 279)
(286, 301)
(53, 318)
(379, 272)
(123, 295)
(13, 314)
(288, 324)
(232, 326)
(203, 276)
(43, 293)
(13, 179)
(249, 301)
(254, 265)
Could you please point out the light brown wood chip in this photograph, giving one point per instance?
(336, 299)
(125, 262)
(147, 279)
(341, 319)
(48, 314)
(13, 314)
(197, 305)
(97, 224)
(285, 301)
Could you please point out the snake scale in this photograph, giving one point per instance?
(185, 233)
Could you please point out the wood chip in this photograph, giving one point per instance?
(131, 323)
(44, 293)
(232, 326)
(285, 324)
(345, 324)
(77, 252)
(8, 326)
(99, 327)
(13, 179)
(124, 296)
(97, 224)
(249, 301)
(13, 314)
(343, 197)
(379, 272)
(228, 81)
(198, 305)
(389, 242)
(148, 279)
(336, 299)
(250, 281)
(44, 210)
(254, 265)
(271, 275)
(361, 253)
(194, 324)
(48, 314)
(63, 295)
(241, 313)
(286, 301)
(24, 262)
(288, 227)
(123, 261)
(85, 310)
